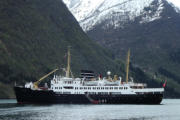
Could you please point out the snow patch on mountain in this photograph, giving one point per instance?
(175, 4)
(114, 13)
(153, 12)
(82, 8)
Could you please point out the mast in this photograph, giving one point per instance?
(127, 66)
(68, 63)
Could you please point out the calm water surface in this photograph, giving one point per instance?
(168, 110)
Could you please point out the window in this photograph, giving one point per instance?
(68, 87)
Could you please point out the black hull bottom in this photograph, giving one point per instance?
(25, 95)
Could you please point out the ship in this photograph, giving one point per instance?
(88, 89)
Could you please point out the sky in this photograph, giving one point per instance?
(175, 2)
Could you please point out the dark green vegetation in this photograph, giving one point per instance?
(34, 35)
(155, 46)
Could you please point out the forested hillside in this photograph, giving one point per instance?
(34, 36)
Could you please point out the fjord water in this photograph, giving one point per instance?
(168, 110)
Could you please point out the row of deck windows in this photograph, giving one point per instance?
(70, 82)
(96, 88)
(101, 88)
(57, 88)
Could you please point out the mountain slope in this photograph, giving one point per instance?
(34, 36)
(90, 13)
(149, 28)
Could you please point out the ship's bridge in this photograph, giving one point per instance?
(59, 81)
